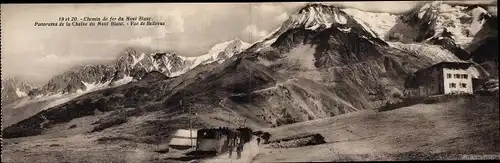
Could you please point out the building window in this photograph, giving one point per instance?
(453, 85)
(448, 76)
(465, 76)
(457, 76)
(463, 85)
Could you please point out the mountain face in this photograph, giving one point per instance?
(317, 17)
(132, 65)
(321, 62)
(14, 89)
(460, 29)
(457, 25)
(436, 19)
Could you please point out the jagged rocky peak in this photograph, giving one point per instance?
(437, 19)
(430, 9)
(17, 84)
(132, 64)
(14, 88)
(311, 20)
(225, 50)
(316, 15)
(479, 18)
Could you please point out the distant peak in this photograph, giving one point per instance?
(314, 6)
(317, 15)
(12, 78)
(237, 40)
(129, 49)
(221, 46)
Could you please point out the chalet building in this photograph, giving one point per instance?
(442, 78)
(183, 139)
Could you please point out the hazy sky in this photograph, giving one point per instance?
(38, 53)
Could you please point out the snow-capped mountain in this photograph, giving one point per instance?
(14, 89)
(430, 20)
(317, 16)
(437, 19)
(132, 65)
(380, 23)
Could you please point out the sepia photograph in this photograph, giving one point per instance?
(249, 82)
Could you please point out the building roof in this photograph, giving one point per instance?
(182, 137)
(455, 65)
(458, 65)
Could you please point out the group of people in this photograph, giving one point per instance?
(262, 136)
(238, 143)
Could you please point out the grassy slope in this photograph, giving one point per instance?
(466, 126)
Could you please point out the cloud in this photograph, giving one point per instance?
(252, 30)
(109, 42)
(143, 41)
(174, 22)
(50, 57)
(282, 17)
(70, 59)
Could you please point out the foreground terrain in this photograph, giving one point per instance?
(456, 129)
(446, 130)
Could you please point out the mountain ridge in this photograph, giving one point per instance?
(128, 67)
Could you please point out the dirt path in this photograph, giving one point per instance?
(250, 150)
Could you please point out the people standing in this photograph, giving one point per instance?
(231, 147)
(239, 149)
(232, 143)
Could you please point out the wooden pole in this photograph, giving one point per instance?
(190, 129)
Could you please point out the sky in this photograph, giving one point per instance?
(38, 53)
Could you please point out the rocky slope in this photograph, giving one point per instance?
(132, 65)
(14, 89)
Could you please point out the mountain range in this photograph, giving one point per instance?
(323, 61)
(130, 66)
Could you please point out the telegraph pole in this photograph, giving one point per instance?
(190, 129)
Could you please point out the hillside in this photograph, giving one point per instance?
(440, 131)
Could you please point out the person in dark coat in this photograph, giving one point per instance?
(231, 147)
(232, 143)
(258, 140)
(239, 149)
